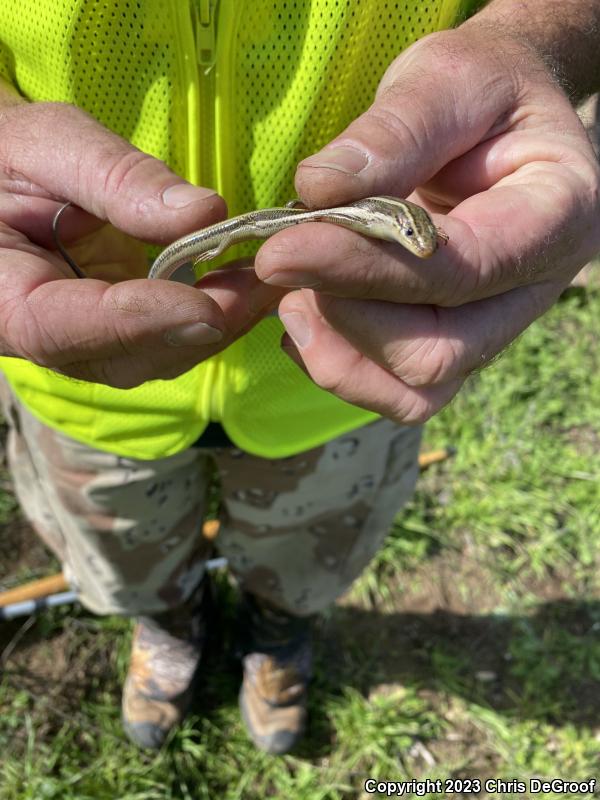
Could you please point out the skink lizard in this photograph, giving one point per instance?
(387, 218)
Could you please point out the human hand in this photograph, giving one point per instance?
(473, 118)
(100, 329)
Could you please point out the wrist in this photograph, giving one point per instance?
(564, 36)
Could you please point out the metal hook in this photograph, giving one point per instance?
(60, 246)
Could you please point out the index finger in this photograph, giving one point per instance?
(535, 222)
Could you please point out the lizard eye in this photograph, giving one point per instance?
(409, 231)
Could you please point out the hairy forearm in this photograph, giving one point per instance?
(564, 32)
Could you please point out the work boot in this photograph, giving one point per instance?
(165, 655)
(277, 659)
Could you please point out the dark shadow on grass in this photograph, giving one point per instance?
(545, 666)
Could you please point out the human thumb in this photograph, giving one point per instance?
(435, 102)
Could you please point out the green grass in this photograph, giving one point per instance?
(470, 648)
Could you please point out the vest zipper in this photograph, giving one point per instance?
(205, 30)
(204, 15)
(206, 34)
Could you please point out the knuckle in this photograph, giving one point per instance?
(129, 299)
(427, 364)
(10, 317)
(453, 59)
(110, 372)
(122, 164)
(450, 53)
(414, 409)
(124, 342)
(325, 379)
(22, 331)
(468, 284)
(388, 127)
(442, 53)
(107, 372)
(329, 377)
(363, 261)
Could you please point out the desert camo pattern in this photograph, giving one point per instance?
(296, 531)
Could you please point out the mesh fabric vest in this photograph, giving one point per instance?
(231, 95)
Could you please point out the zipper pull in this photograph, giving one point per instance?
(205, 35)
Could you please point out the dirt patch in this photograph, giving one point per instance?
(60, 673)
(22, 553)
(584, 438)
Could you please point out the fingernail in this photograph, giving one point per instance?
(343, 159)
(293, 279)
(195, 333)
(297, 327)
(182, 194)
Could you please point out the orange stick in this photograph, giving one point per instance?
(34, 590)
(435, 456)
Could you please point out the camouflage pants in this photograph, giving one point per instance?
(296, 531)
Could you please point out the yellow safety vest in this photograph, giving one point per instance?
(231, 94)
